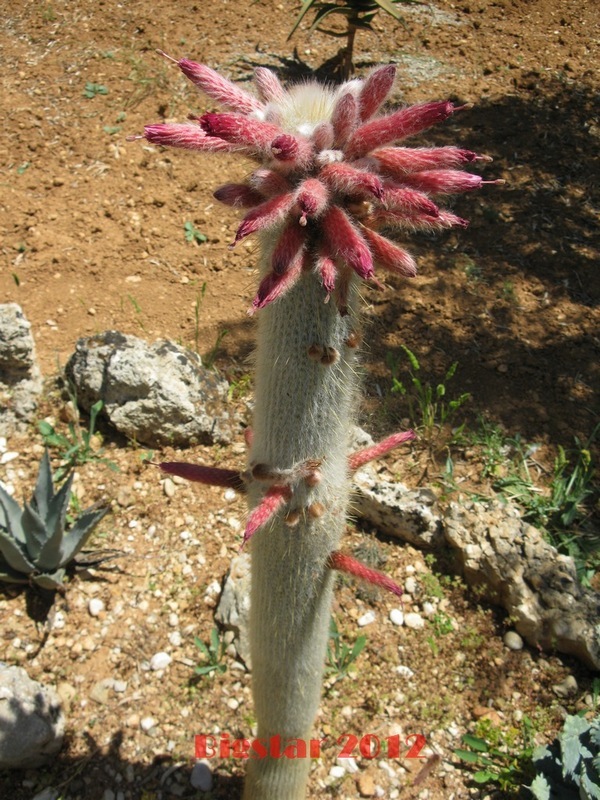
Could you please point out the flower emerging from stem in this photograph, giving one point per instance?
(331, 180)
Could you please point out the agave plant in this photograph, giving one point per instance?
(358, 14)
(35, 547)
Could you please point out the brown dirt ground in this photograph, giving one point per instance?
(92, 238)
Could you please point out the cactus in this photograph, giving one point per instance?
(569, 768)
(329, 184)
(35, 547)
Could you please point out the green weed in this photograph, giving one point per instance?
(428, 406)
(78, 446)
(93, 89)
(213, 653)
(503, 757)
(565, 510)
(340, 656)
(192, 234)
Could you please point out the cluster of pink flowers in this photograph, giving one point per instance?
(331, 180)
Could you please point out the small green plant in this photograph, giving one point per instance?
(490, 440)
(503, 757)
(78, 446)
(358, 14)
(566, 510)
(213, 653)
(442, 624)
(209, 358)
(240, 387)
(192, 234)
(340, 656)
(569, 768)
(35, 546)
(93, 89)
(427, 405)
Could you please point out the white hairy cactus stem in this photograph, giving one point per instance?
(303, 411)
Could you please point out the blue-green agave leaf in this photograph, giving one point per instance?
(35, 531)
(44, 487)
(57, 510)
(53, 581)
(9, 575)
(51, 555)
(81, 531)
(10, 516)
(13, 553)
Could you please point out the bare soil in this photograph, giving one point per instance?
(92, 238)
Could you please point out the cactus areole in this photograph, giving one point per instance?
(330, 188)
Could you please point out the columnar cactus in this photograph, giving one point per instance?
(330, 184)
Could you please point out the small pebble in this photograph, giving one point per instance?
(169, 487)
(120, 686)
(405, 671)
(366, 785)
(233, 704)
(147, 723)
(348, 765)
(566, 688)
(512, 640)
(59, 621)
(366, 619)
(410, 585)
(201, 776)
(175, 639)
(414, 620)
(95, 606)
(160, 661)
(337, 771)
(396, 617)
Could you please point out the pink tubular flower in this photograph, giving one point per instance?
(375, 90)
(344, 563)
(334, 181)
(397, 161)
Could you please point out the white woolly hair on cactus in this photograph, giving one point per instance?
(330, 186)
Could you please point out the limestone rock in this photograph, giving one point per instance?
(234, 606)
(20, 378)
(31, 721)
(516, 568)
(157, 394)
(407, 514)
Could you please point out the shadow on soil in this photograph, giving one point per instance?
(524, 369)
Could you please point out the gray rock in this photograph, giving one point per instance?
(512, 640)
(517, 569)
(234, 605)
(497, 552)
(157, 394)
(20, 378)
(31, 721)
(566, 688)
(408, 514)
(201, 776)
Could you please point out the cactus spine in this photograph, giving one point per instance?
(330, 178)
